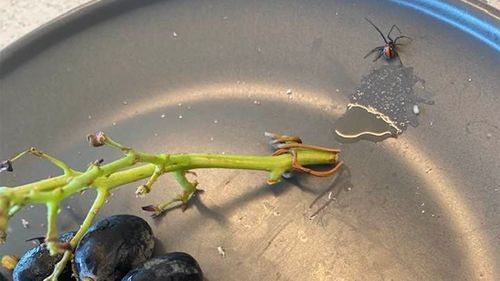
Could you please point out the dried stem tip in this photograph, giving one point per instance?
(149, 208)
(36, 240)
(97, 140)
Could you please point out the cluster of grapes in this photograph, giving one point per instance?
(116, 248)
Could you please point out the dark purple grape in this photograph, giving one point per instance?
(176, 266)
(37, 263)
(112, 247)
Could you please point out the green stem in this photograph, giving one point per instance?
(52, 209)
(114, 176)
(263, 163)
(120, 172)
(51, 236)
(198, 161)
(102, 195)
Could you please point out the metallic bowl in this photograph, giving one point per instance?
(213, 76)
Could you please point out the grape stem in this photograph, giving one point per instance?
(290, 155)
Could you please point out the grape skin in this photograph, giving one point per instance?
(112, 247)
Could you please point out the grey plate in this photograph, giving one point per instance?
(424, 206)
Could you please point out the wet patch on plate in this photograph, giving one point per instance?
(383, 105)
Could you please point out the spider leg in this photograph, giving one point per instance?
(392, 27)
(378, 56)
(381, 34)
(400, 37)
(374, 50)
(396, 54)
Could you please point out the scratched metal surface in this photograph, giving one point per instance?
(425, 206)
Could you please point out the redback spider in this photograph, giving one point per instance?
(389, 49)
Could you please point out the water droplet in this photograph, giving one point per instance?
(337, 90)
(114, 123)
(416, 110)
(180, 116)
(289, 91)
(68, 207)
(174, 34)
(423, 211)
(488, 135)
(470, 79)
(162, 116)
(256, 102)
(179, 104)
(216, 121)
